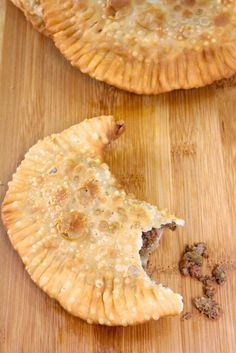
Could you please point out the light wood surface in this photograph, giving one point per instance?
(179, 152)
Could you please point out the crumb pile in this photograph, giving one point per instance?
(191, 264)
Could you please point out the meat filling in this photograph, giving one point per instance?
(149, 238)
(151, 241)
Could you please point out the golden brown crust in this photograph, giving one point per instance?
(85, 254)
(146, 48)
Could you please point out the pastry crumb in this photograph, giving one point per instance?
(184, 266)
(192, 260)
(191, 264)
(186, 316)
(200, 248)
(219, 274)
(208, 307)
(209, 291)
(193, 257)
(195, 271)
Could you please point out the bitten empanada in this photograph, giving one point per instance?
(82, 239)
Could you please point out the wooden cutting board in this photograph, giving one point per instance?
(179, 152)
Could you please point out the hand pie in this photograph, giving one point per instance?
(146, 47)
(33, 12)
(82, 239)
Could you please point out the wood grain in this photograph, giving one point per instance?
(179, 151)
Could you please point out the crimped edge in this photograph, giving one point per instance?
(36, 21)
(98, 305)
(190, 69)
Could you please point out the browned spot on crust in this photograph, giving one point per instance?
(178, 8)
(69, 166)
(189, 3)
(187, 14)
(140, 213)
(117, 9)
(152, 18)
(72, 224)
(113, 253)
(39, 179)
(92, 188)
(116, 5)
(60, 196)
(222, 19)
(50, 243)
(88, 192)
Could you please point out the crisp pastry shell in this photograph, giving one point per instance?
(189, 68)
(79, 234)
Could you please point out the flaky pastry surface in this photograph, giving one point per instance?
(146, 46)
(79, 234)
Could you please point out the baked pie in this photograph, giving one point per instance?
(82, 239)
(143, 46)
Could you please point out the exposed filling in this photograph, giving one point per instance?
(151, 241)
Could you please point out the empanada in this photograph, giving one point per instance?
(81, 237)
(143, 46)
